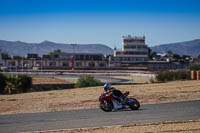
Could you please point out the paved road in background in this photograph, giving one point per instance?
(103, 77)
(95, 117)
(86, 73)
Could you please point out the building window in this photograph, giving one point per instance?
(97, 57)
(52, 64)
(65, 64)
(91, 64)
(118, 53)
(78, 64)
(12, 63)
(130, 47)
(141, 46)
(56, 56)
(102, 65)
(86, 57)
(135, 53)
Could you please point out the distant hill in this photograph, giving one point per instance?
(191, 48)
(21, 48)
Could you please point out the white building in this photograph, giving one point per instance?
(134, 51)
(59, 61)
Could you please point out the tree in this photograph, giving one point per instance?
(5, 56)
(46, 57)
(55, 52)
(2, 83)
(149, 50)
(199, 57)
(177, 56)
(151, 54)
(18, 57)
(185, 56)
(170, 53)
(194, 67)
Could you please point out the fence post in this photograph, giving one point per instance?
(198, 75)
(193, 75)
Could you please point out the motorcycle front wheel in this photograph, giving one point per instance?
(133, 104)
(107, 106)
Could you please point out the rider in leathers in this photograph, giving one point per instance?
(117, 94)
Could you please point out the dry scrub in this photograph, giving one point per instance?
(49, 80)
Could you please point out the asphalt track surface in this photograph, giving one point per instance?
(96, 118)
(106, 77)
(103, 79)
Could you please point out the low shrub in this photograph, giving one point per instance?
(16, 84)
(87, 81)
(172, 75)
(2, 83)
(194, 67)
(152, 80)
(11, 85)
(25, 83)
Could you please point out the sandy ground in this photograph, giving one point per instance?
(165, 127)
(84, 98)
(48, 80)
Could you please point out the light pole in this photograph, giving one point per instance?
(11, 62)
(41, 64)
(22, 64)
(17, 62)
(10, 65)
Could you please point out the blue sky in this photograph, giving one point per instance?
(99, 21)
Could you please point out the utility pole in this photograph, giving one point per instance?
(41, 64)
(11, 62)
(73, 57)
(22, 64)
(1, 61)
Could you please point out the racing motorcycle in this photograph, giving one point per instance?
(108, 102)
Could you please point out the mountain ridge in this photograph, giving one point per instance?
(191, 48)
(22, 48)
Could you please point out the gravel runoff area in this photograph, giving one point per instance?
(163, 127)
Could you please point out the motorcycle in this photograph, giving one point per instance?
(108, 102)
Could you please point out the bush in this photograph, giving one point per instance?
(87, 81)
(152, 80)
(25, 82)
(194, 67)
(11, 85)
(2, 83)
(172, 75)
(17, 84)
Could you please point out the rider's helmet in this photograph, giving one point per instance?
(107, 86)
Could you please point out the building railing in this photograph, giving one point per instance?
(134, 37)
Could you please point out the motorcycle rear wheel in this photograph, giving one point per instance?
(133, 104)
